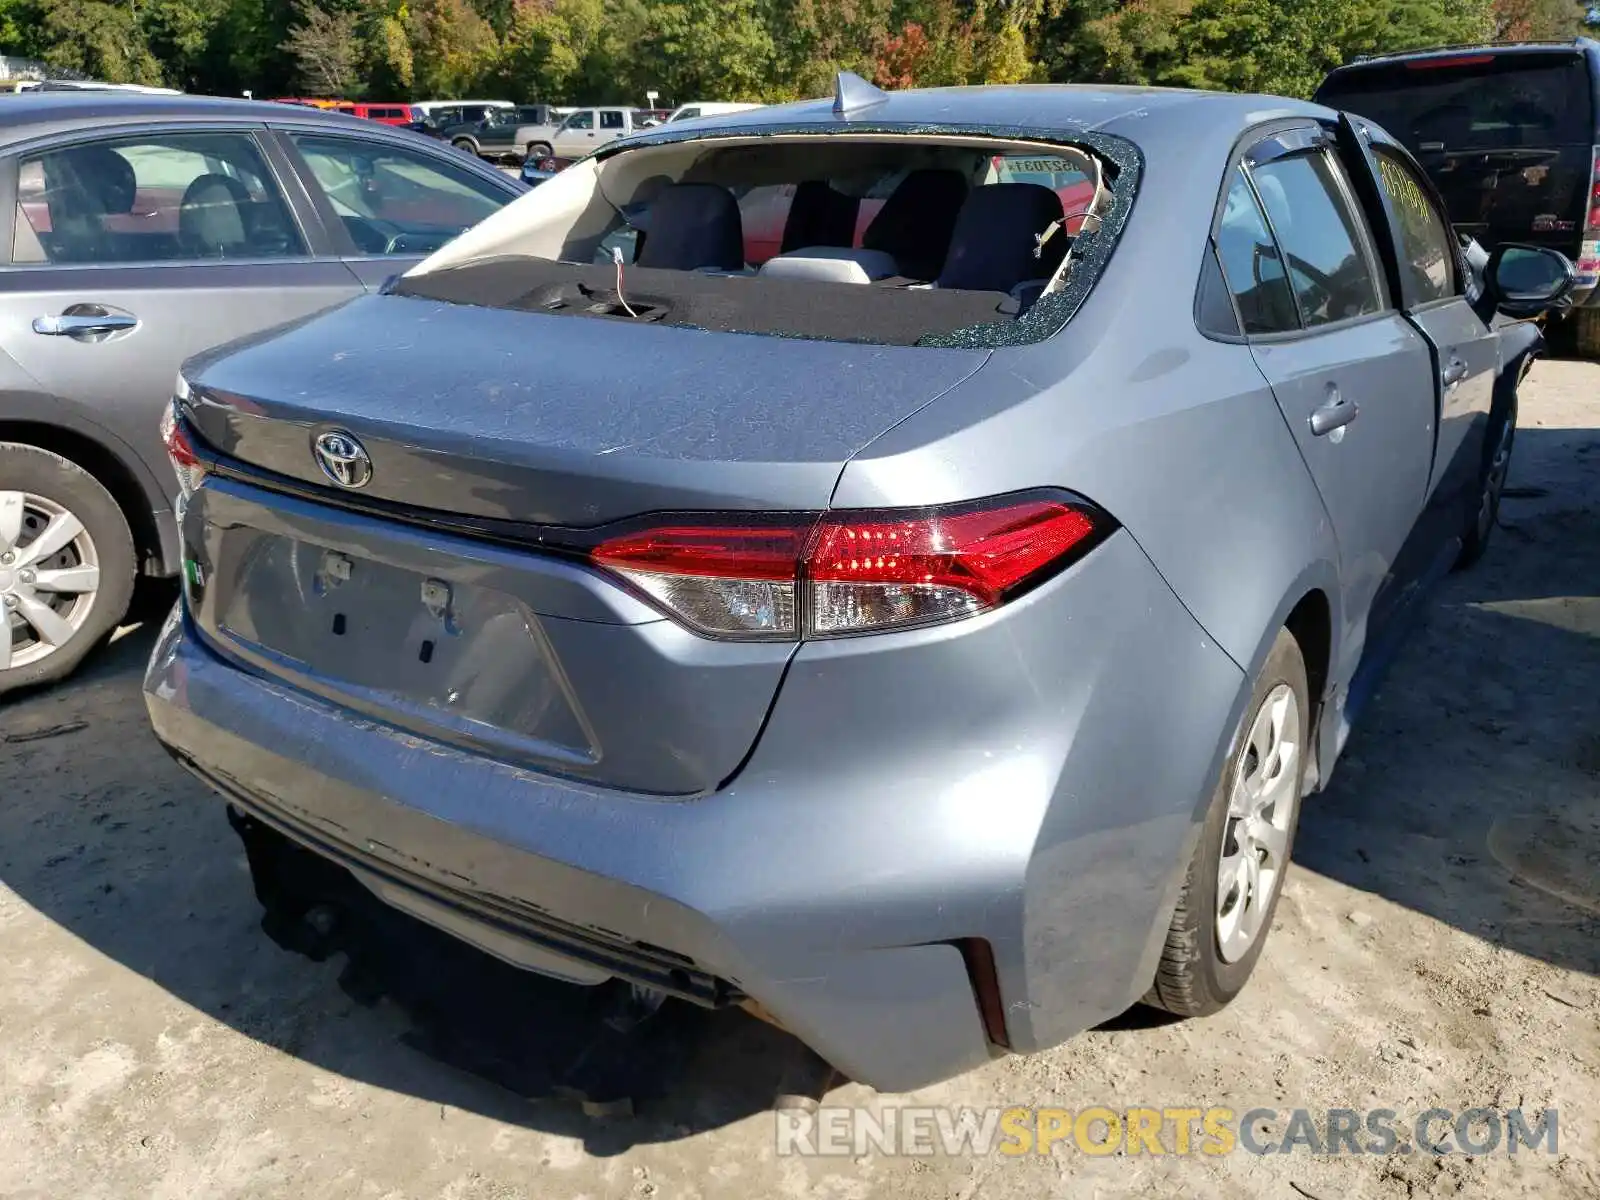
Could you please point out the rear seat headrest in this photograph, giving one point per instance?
(993, 247)
(694, 226)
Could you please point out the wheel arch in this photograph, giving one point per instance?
(127, 483)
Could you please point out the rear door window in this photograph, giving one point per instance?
(152, 199)
(612, 120)
(1252, 264)
(1317, 230)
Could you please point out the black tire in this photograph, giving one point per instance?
(536, 151)
(30, 470)
(466, 146)
(1193, 979)
(1498, 442)
(1586, 332)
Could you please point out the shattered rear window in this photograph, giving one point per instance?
(905, 241)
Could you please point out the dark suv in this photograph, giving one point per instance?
(1510, 134)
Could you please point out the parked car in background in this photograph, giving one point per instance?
(927, 643)
(307, 103)
(521, 132)
(1511, 136)
(384, 114)
(587, 129)
(145, 229)
(706, 108)
(459, 110)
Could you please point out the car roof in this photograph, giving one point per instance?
(31, 114)
(1143, 115)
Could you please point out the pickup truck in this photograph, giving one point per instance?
(590, 128)
(522, 132)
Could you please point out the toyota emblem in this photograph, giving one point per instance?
(342, 459)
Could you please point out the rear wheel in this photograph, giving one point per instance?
(465, 145)
(1236, 875)
(1586, 332)
(66, 565)
(536, 151)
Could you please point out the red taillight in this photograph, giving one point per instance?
(871, 573)
(186, 461)
(1592, 224)
(851, 572)
(1456, 60)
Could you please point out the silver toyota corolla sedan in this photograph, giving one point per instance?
(138, 230)
(921, 624)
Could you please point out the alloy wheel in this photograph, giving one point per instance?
(1261, 807)
(49, 578)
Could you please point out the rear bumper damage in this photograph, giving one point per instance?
(944, 839)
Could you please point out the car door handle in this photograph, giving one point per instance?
(77, 324)
(1454, 372)
(1335, 414)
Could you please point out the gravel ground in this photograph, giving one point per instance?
(1436, 946)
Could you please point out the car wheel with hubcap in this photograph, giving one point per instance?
(536, 151)
(1491, 486)
(465, 145)
(66, 565)
(1235, 876)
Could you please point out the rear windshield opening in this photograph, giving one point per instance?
(1475, 102)
(885, 239)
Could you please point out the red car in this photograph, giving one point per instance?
(383, 114)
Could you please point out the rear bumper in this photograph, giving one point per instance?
(1032, 778)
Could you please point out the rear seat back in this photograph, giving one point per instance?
(916, 221)
(995, 245)
(692, 227)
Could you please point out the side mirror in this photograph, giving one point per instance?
(1524, 281)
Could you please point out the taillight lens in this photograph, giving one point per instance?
(1589, 252)
(721, 579)
(847, 573)
(187, 464)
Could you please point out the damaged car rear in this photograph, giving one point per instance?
(777, 621)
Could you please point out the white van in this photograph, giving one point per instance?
(704, 108)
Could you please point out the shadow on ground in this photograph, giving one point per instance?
(1469, 794)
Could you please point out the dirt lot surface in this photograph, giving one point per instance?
(1437, 946)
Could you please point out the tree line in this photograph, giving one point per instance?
(614, 51)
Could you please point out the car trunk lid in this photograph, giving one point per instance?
(375, 600)
(551, 420)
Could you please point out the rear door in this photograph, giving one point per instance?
(1505, 135)
(576, 136)
(389, 206)
(1352, 377)
(131, 252)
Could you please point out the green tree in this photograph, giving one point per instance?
(99, 39)
(705, 50)
(453, 49)
(327, 50)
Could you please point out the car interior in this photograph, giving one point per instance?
(881, 239)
